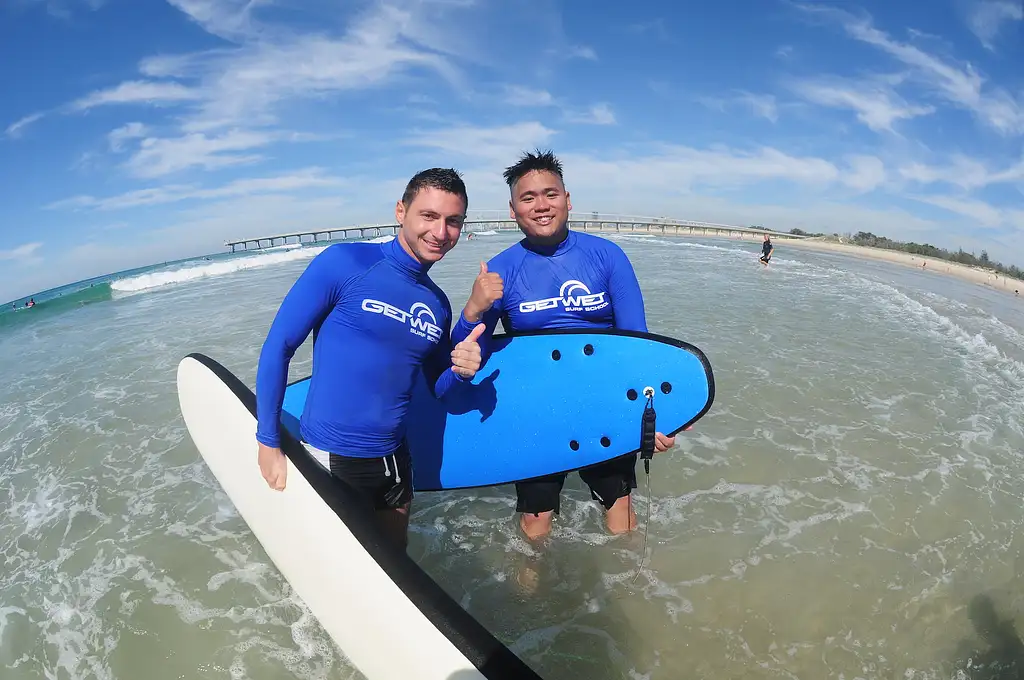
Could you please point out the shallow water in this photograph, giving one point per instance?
(853, 490)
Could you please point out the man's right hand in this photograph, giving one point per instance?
(487, 288)
(273, 466)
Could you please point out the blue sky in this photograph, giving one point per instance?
(137, 131)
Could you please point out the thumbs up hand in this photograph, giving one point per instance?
(487, 288)
(466, 355)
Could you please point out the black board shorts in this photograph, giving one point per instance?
(385, 483)
(608, 482)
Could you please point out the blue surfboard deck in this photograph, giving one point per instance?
(546, 402)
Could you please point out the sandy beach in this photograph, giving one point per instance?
(972, 274)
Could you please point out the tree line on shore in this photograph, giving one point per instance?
(866, 238)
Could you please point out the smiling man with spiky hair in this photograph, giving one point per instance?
(557, 278)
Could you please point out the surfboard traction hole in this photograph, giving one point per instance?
(588, 349)
(666, 387)
(556, 355)
(631, 394)
(574, 445)
(605, 442)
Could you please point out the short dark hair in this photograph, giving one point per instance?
(445, 179)
(540, 160)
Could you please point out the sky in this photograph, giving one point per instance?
(138, 131)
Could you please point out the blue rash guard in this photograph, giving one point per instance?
(583, 282)
(377, 319)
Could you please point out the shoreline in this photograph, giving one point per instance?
(983, 277)
(976, 275)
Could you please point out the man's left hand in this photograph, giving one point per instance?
(466, 355)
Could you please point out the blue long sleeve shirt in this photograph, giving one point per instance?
(584, 282)
(377, 320)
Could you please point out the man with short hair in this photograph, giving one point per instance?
(377, 319)
(537, 268)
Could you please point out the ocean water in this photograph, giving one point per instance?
(851, 507)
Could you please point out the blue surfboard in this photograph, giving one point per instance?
(546, 402)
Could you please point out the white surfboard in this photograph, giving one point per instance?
(388, 617)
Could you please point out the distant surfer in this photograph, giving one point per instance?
(377, 318)
(766, 250)
(549, 265)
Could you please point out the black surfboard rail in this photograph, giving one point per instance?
(491, 657)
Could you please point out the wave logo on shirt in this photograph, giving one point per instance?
(420, 317)
(574, 296)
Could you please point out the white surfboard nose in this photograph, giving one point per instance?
(387, 616)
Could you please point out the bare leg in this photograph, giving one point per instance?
(621, 517)
(535, 526)
(395, 525)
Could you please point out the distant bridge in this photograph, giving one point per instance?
(592, 222)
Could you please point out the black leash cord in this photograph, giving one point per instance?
(648, 427)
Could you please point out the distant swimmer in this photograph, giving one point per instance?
(766, 250)
(377, 318)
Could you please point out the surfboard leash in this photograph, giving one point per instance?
(648, 427)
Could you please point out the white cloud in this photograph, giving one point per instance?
(761, 105)
(228, 19)
(245, 84)
(172, 193)
(491, 144)
(581, 52)
(14, 129)
(987, 18)
(118, 137)
(876, 104)
(1015, 218)
(517, 95)
(162, 156)
(137, 92)
(958, 85)
(655, 27)
(677, 168)
(21, 252)
(61, 9)
(240, 86)
(980, 212)
(598, 114)
(866, 173)
(966, 173)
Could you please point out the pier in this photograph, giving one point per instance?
(591, 222)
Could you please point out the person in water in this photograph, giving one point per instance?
(541, 268)
(766, 250)
(376, 318)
